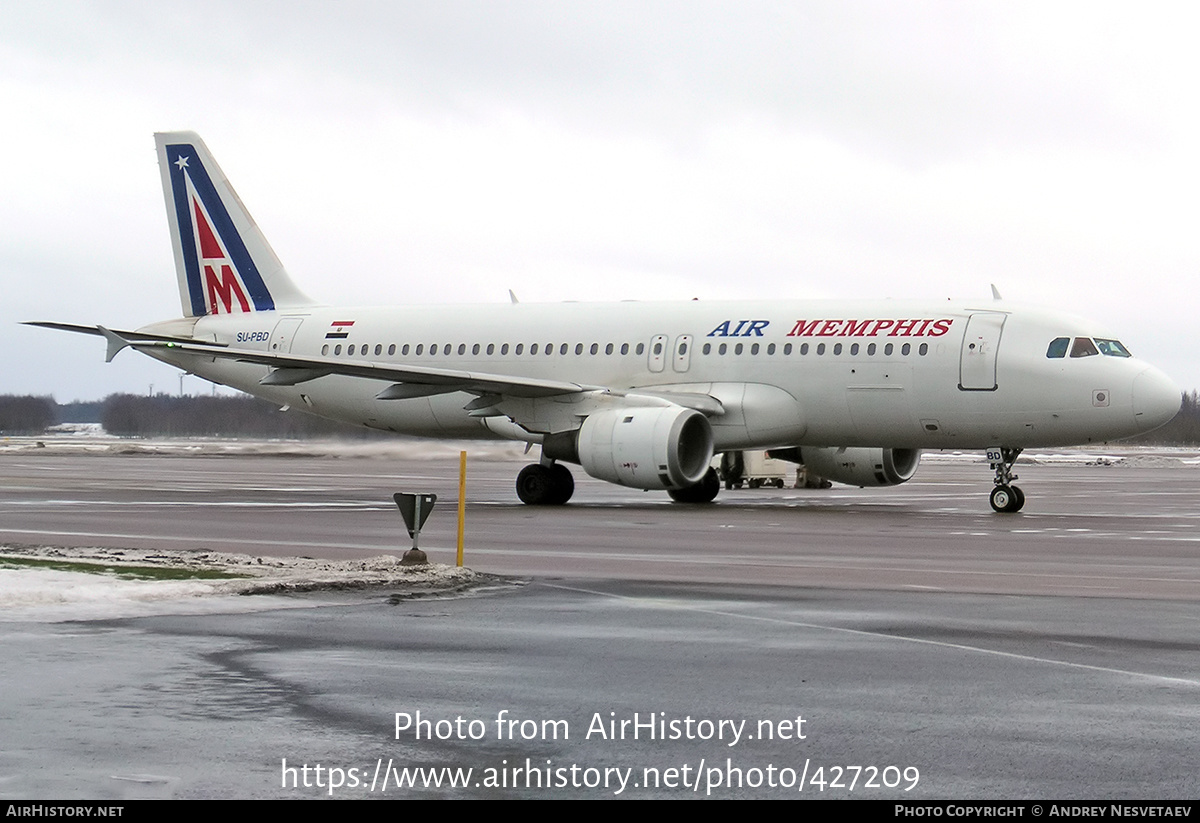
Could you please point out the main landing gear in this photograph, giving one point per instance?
(1005, 496)
(542, 485)
(703, 492)
(539, 484)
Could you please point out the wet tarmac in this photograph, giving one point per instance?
(932, 648)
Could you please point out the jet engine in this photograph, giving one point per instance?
(654, 447)
(856, 466)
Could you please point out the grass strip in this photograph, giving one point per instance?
(131, 572)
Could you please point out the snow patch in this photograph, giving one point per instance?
(40, 594)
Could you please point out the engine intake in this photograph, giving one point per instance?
(856, 466)
(656, 447)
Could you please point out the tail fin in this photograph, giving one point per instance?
(223, 262)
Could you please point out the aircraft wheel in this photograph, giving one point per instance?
(564, 484)
(539, 485)
(703, 492)
(1007, 498)
(1020, 498)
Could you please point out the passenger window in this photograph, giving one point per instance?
(391, 350)
(520, 348)
(351, 349)
(563, 349)
(905, 349)
(924, 349)
(837, 348)
(871, 349)
(608, 349)
(854, 349)
(325, 350)
(491, 349)
(1083, 347)
(722, 348)
(475, 349)
(533, 349)
(737, 349)
(803, 348)
(624, 348)
(770, 348)
(787, 348)
(1058, 347)
(578, 348)
(754, 348)
(641, 349)
(887, 349)
(707, 348)
(820, 348)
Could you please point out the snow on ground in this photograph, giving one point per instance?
(85, 438)
(1110, 455)
(90, 438)
(40, 594)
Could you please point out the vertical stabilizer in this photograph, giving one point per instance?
(223, 262)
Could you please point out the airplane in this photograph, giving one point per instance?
(643, 394)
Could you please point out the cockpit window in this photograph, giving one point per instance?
(1112, 348)
(1058, 347)
(1083, 347)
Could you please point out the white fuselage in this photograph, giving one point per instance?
(900, 374)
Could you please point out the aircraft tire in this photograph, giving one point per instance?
(705, 491)
(539, 485)
(563, 482)
(1007, 499)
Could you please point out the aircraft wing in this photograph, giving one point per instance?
(290, 369)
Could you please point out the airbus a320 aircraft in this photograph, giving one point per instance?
(643, 394)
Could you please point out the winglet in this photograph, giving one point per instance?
(513, 296)
(996, 293)
(115, 343)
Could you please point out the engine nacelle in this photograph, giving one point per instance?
(656, 447)
(856, 466)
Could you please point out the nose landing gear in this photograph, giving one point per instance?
(1005, 496)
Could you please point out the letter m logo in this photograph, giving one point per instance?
(222, 290)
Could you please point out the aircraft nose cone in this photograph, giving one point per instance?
(1156, 399)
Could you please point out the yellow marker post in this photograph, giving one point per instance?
(462, 501)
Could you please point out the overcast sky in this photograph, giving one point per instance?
(429, 152)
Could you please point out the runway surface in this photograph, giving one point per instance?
(1053, 653)
(1122, 530)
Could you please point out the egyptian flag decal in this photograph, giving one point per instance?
(339, 330)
